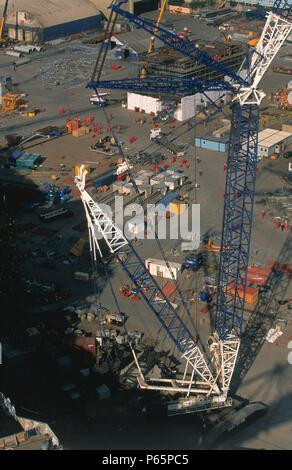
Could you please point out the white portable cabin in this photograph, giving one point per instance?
(136, 226)
(159, 268)
(272, 141)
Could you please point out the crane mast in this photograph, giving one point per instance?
(208, 384)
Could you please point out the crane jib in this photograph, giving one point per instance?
(172, 85)
(184, 46)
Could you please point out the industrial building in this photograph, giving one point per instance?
(212, 143)
(132, 44)
(133, 6)
(41, 21)
(271, 141)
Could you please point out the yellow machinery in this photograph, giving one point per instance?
(253, 42)
(227, 38)
(211, 247)
(220, 4)
(214, 248)
(11, 101)
(153, 38)
(78, 248)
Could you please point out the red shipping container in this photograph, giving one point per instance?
(87, 343)
(168, 289)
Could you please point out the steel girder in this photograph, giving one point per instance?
(165, 85)
(182, 45)
(237, 220)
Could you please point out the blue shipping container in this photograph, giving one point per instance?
(211, 144)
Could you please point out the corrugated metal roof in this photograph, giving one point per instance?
(138, 41)
(266, 133)
(199, 29)
(270, 137)
(47, 13)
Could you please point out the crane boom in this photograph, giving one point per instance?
(171, 85)
(100, 223)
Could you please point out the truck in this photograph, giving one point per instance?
(114, 318)
(193, 262)
(154, 133)
(99, 100)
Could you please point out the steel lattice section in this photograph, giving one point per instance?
(170, 85)
(237, 220)
(229, 351)
(184, 46)
(136, 270)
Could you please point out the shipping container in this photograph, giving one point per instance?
(251, 293)
(212, 143)
(28, 161)
(159, 268)
(168, 289)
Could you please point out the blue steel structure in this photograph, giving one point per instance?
(238, 207)
(237, 219)
(166, 85)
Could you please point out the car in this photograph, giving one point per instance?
(287, 154)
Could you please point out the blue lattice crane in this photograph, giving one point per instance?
(209, 383)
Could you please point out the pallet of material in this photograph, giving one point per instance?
(80, 131)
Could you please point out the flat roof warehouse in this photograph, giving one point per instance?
(44, 20)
